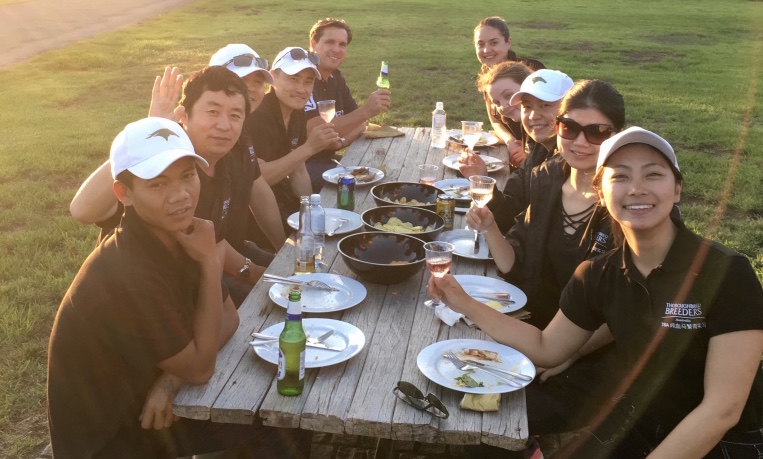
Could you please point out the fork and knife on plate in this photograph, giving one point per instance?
(262, 339)
(510, 377)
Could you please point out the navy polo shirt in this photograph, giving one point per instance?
(722, 295)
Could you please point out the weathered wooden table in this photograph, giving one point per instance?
(355, 397)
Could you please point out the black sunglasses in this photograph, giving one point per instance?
(594, 133)
(298, 54)
(411, 395)
(245, 60)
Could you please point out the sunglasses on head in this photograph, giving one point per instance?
(594, 133)
(411, 395)
(245, 60)
(298, 54)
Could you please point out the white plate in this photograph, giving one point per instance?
(431, 362)
(493, 164)
(448, 186)
(463, 239)
(332, 175)
(345, 334)
(332, 220)
(488, 138)
(351, 292)
(480, 284)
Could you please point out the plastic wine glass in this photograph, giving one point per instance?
(439, 256)
(327, 109)
(481, 190)
(471, 132)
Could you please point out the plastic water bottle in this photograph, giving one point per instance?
(318, 225)
(439, 137)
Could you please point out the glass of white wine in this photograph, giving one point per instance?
(471, 131)
(439, 256)
(327, 109)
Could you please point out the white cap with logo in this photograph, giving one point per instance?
(241, 60)
(294, 59)
(636, 134)
(545, 84)
(149, 146)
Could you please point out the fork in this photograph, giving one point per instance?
(314, 283)
(463, 366)
(341, 223)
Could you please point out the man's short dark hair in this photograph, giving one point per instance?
(214, 78)
(317, 31)
(126, 178)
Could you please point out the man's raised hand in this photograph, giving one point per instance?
(166, 94)
(378, 102)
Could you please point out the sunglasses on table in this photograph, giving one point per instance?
(298, 54)
(411, 395)
(595, 134)
(245, 60)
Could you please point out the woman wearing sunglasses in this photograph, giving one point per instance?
(561, 227)
(685, 313)
(492, 45)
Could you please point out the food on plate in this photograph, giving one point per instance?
(492, 166)
(494, 304)
(481, 354)
(361, 174)
(405, 200)
(396, 225)
(395, 262)
(466, 380)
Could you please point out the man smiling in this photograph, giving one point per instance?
(329, 39)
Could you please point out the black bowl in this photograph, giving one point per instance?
(369, 256)
(408, 190)
(407, 214)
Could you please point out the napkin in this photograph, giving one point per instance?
(374, 131)
(480, 402)
(447, 315)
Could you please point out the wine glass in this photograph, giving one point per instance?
(471, 131)
(439, 256)
(481, 192)
(327, 109)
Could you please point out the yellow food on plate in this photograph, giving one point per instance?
(481, 354)
(395, 262)
(405, 200)
(396, 225)
(494, 304)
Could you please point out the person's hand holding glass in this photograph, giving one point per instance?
(481, 191)
(439, 256)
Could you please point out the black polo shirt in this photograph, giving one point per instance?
(334, 89)
(129, 307)
(724, 296)
(273, 140)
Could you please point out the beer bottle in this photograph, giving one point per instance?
(305, 261)
(291, 349)
(383, 81)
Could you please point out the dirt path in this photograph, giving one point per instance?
(29, 27)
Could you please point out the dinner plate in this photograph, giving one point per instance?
(458, 188)
(332, 220)
(347, 335)
(493, 164)
(487, 139)
(351, 292)
(332, 175)
(480, 284)
(463, 240)
(431, 362)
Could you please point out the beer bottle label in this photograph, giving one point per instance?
(282, 364)
(302, 365)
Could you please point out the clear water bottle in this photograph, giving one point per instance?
(439, 136)
(305, 260)
(318, 225)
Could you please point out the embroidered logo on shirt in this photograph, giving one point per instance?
(601, 243)
(294, 142)
(252, 156)
(310, 105)
(164, 132)
(683, 316)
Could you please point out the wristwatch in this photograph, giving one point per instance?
(343, 141)
(246, 271)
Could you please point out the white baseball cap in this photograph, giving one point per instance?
(149, 146)
(545, 84)
(241, 60)
(294, 59)
(636, 134)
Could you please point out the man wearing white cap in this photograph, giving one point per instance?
(329, 39)
(246, 63)
(278, 128)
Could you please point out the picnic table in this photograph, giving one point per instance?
(355, 397)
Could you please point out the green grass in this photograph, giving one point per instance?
(691, 72)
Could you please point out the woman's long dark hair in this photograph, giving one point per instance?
(596, 94)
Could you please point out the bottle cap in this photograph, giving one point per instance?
(315, 198)
(295, 295)
(438, 105)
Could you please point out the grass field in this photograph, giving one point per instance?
(690, 71)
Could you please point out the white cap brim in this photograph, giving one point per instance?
(155, 165)
(294, 68)
(244, 71)
(636, 134)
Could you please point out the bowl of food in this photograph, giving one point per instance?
(420, 223)
(406, 194)
(382, 258)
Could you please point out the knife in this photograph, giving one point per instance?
(476, 242)
(490, 367)
(267, 339)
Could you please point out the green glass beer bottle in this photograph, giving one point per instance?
(291, 349)
(383, 81)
